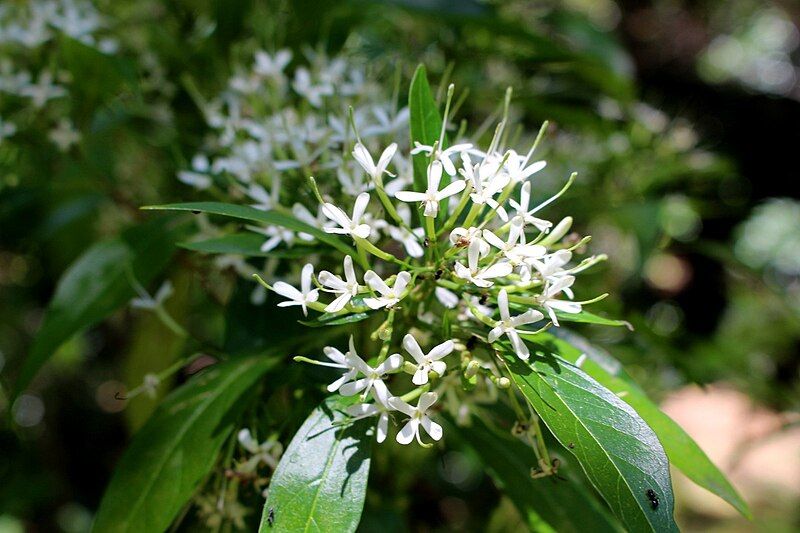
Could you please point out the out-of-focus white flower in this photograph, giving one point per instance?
(375, 171)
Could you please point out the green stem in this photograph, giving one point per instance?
(459, 208)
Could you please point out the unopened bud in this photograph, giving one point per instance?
(472, 369)
(557, 232)
(503, 383)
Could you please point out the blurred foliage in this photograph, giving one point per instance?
(122, 116)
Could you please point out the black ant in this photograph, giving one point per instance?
(271, 517)
(484, 298)
(426, 242)
(571, 445)
(438, 274)
(651, 495)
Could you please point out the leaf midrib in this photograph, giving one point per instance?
(331, 457)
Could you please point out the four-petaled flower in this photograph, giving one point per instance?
(418, 418)
(364, 410)
(441, 156)
(346, 288)
(349, 226)
(508, 325)
(389, 296)
(480, 276)
(429, 361)
(306, 295)
(432, 196)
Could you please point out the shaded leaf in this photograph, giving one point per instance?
(328, 319)
(176, 448)
(618, 451)
(247, 244)
(98, 283)
(245, 212)
(321, 480)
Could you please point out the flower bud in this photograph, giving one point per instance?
(472, 369)
(557, 232)
(504, 383)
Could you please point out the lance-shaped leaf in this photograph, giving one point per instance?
(620, 454)
(682, 451)
(332, 319)
(245, 212)
(246, 244)
(425, 123)
(176, 448)
(99, 282)
(545, 504)
(321, 480)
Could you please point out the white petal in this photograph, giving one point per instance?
(454, 188)
(434, 176)
(426, 401)
(287, 291)
(362, 231)
(383, 427)
(441, 350)
(528, 317)
(420, 376)
(432, 428)
(406, 435)
(440, 367)
(410, 196)
(386, 156)
(495, 333)
(376, 283)
(399, 405)
(338, 304)
(502, 304)
(401, 282)
(519, 346)
(496, 271)
(376, 303)
(336, 214)
(354, 387)
(411, 345)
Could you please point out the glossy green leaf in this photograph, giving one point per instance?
(328, 319)
(425, 123)
(541, 502)
(682, 451)
(584, 317)
(620, 454)
(245, 212)
(176, 448)
(98, 283)
(321, 480)
(246, 244)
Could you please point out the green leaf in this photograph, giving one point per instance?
(246, 244)
(618, 451)
(682, 451)
(546, 504)
(584, 317)
(176, 448)
(425, 123)
(321, 481)
(328, 319)
(245, 212)
(98, 283)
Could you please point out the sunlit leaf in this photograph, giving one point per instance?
(321, 481)
(620, 454)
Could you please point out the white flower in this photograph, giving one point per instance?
(388, 296)
(347, 225)
(463, 237)
(429, 361)
(432, 196)
(525, 214)
(64, 135)
(265, 200)
(514, 248)
(517, 171)
(442, 156)
(552, 266)
(271, 66)
(198, 176)
(551, 303)
(485, 194)
(267, 452)
(345, 288)
(480, 276)
(145, 301)
(418, 418)
(304, 296)
(362, 155)
(507, 325)
(339, 361)
(276, 235)
(373, 377)
(364, 410)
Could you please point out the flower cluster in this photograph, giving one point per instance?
(482, 266)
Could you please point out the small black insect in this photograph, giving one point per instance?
(484, 298)
(438, 274)
(426, 242)
(271, 517)
(194, 212)
(651, 495)
(571, 445)
(471, 343)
